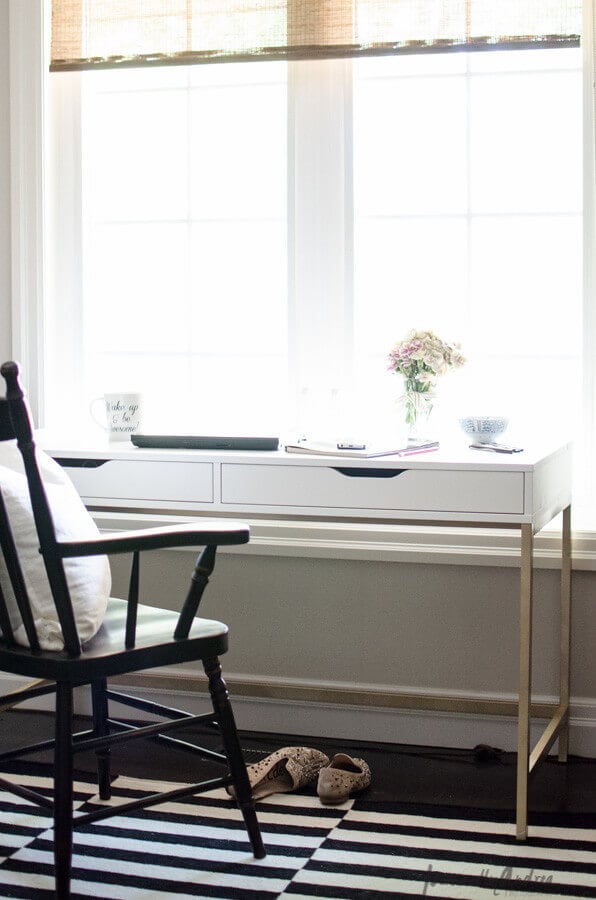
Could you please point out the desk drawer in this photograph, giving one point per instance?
(425, 490)
(139, 480)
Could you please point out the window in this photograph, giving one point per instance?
(355, 200)
(258, 236)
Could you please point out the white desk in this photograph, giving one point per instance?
(473, 488)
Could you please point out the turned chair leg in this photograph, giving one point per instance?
(63, 790)
(100, 729)
(223, 710)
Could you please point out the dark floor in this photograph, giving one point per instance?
(481, 778)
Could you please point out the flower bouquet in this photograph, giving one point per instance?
(420, 359)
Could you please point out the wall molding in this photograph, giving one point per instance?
(382, 713)
(381, 542)
(352, 712)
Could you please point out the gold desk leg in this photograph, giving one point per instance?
(525, 680)
(565, 632)
(17, 691)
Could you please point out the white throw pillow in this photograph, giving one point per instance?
(88, 577)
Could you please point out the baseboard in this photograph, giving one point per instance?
(385, 715)
(353, 712)
(406, 726)
(12, 683)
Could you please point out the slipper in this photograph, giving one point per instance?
(342, 777)
(285, 770)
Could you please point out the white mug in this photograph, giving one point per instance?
(122, 414)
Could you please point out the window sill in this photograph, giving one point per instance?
(386, 543)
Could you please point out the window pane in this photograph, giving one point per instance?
(237, 148)
(522, 154)
(400, 124)
(238, 283)
(520, 302)
(135, 155)
(467, 211)
(135, 288)
(408, 271)
(239, 393)
(184, 249)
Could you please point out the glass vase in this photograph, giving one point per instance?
(418, 402)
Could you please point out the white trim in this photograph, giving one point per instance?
(64, 246)
(358, 723)
(27, 37)
(428, 728)
(586, 446)
(381, 543)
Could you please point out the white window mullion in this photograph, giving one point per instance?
(320, 238)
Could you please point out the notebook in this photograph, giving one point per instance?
(320, 448)
(203, 442)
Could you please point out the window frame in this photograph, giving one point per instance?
(27, 56)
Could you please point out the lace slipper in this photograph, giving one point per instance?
(285, 770)
(342, 777)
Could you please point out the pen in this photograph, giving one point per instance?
(496, 448)
(415, 452)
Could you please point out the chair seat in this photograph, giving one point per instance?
(105, 655)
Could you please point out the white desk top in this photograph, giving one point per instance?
(452, 484)
(454, 456)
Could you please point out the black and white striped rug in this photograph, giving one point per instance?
(198, 848)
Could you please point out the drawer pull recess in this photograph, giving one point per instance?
(80, 463)
(365, 472)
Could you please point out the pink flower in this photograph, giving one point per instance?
(422, 356)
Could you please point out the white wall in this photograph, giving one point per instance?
(5, 287)
(423, 628)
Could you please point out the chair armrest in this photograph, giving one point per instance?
(212, 533)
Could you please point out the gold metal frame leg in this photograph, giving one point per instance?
(20, 690)
(525, 680)
(565, 632)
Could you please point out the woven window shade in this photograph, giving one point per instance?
(90, 34)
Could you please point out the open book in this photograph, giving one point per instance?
(323, 448)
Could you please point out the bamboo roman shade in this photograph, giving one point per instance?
(110, 33)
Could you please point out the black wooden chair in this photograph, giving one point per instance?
(132, 637)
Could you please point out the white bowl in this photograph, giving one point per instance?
(484, 429)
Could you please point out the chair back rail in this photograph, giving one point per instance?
(133, 601)
(15, 574)
(21, 424)
(11, 558)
